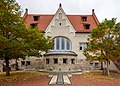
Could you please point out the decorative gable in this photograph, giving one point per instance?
(60, 21)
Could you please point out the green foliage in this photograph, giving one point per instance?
(15, 40)
(104, 42)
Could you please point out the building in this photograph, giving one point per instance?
(69, 34)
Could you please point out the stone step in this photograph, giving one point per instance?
(66, 79)
(53, 80)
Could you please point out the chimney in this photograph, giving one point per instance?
(92, 11)
(60, 5)
(26, 11)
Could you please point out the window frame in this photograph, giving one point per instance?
(55, 62)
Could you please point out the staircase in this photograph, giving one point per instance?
(117, 63)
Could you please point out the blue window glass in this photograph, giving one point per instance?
(67, 44)
(58, 43)
(62, 43)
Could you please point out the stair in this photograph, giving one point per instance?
(117, 63)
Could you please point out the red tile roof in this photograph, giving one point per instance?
(76, 21)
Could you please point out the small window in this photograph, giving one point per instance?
(84, 18)
(60, 24)
(35, 18)
(33, 25)
(87, 26)
(80, 46)
(91, 64)
(22, 63)
(72, 61)
(96, 65)
(47, 61)
(27, 63)
(64, 61)
(83, 46)
(56, 61)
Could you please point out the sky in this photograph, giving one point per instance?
(103, 8)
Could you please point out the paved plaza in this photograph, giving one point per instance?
(64, 79)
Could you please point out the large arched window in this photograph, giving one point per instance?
(61, 43)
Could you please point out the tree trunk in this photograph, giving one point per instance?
(108, 72)
(16, 65)
(101, 65)
(7, 68)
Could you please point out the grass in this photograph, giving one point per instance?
(19, 76)
(97, 75)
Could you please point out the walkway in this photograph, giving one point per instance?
(60, 78)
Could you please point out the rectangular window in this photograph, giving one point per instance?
(55, 61)
(57, 43)
(67, 44)
(83, 46)
(22, 63)
(72, 61)
(27, 63)
(96, 65)
(33, 25)
(63, 43)
(87, 26)
(35, 18)
(84, 18)
(64, 61)
(47, 61)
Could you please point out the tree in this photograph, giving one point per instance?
(104, 42)
(15, 40)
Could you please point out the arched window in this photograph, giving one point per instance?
(61, 43)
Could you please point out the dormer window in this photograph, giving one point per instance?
(33, 25)
(87, 26)
(84, 18)
(35, 18)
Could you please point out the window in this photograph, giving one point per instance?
(56, 61)
(68, 44)
(84, 18)
(58, 43)
(47, 61)
(60, 24)
(64, 61)
(27, 63)
(33, 25)
(35, 18)
(83, 46)
(22, 63)
(87, 26)
(96, 65)
(61, 43)
(72, 61)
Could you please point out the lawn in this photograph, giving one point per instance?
(19, 76)
(99, 75)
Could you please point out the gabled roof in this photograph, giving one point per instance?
(76, 21)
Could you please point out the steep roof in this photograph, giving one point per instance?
(76, 21)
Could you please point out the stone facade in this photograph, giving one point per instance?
(70, 34)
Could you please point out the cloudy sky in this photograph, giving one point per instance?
(103, 8)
